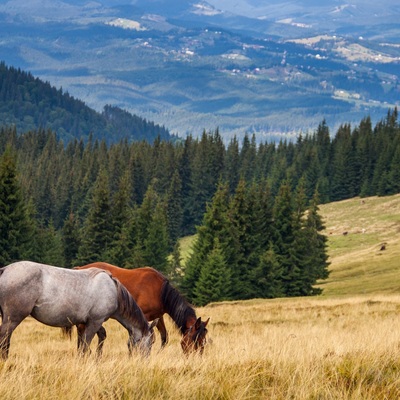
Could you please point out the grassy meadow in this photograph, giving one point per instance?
(344, 344)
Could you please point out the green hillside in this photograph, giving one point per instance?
(366, 259)
(358, 265)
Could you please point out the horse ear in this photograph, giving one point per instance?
(197, 323)
(153, 323)
(206, 322)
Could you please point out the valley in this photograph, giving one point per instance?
(194, 66)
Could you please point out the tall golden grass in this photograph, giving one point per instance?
(278, 349)
(337, 346)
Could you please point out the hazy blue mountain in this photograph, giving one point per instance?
(273, 67)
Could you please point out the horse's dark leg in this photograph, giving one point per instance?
(90, 329)
(80, 330)
(5, 338)
(102, 335)
(163, 331)
(6, 329)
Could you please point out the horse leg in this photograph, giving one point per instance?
(89, 330)
(6, 329)
(102, 335)
(80, 329)
(163, 331)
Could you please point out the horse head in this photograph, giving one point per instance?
(194, 339)
(145, 342)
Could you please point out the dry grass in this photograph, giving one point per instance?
(278, 349)
(328, 348)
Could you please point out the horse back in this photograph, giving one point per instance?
(144, 284)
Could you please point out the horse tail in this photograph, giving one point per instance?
(176, 306)
(128, 307)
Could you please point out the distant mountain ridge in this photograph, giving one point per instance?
(28, 103)
(273, 68)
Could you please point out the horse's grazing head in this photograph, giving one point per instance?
(194, 339)
(145, 343)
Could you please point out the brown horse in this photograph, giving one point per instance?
(156, 296)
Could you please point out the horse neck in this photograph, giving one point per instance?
(176, 306)
(129, 311)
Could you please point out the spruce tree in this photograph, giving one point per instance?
(97, 230)
(299, 248)
(232, 165)
(317, 263)
(214, 280)
(49, 243)
(267, 276)
(15, 226)
(119, 249)
(156, 243)
(70, 240)
(174, 205)
(394, 173)
(246, 225)
(216, 225)
(283, 238)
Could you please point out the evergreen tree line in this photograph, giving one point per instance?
(128, 203)
(253, 245)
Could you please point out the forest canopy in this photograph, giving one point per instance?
(253, 206)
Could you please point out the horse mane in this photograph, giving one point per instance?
(176, 306)
(128, 307)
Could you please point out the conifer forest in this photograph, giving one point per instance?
(253, 206)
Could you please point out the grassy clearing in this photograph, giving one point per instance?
(358, 265)
(342, 345)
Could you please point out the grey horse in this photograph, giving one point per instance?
(61, 297)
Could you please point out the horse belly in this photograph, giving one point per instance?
(58, 315)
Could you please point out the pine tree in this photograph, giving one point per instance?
(97, 230)
(156, 243)
(216, 225)
(245, 216)
(394, 174)
(344, 172)
(174, 209)
(317, 242)
(207, 168)
(49, 243)
(70, 240)
(119, 249)
(214, 280)
(267, 276)
(295, 286)
(15, 226)
(284, 237)
(232, 165)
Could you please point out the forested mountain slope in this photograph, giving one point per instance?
(179, 179)
(28, 103)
